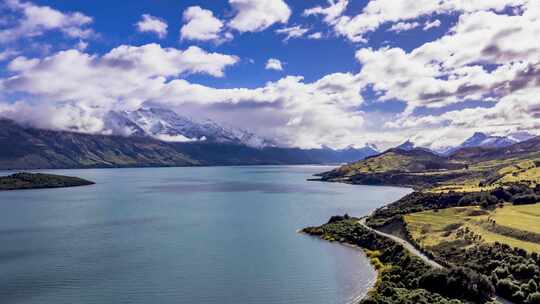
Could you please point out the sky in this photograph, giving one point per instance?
(304, 73)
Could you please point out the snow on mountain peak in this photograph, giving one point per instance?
(168, 125)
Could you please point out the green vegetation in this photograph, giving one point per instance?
(19, 181)
(404, 278)
(465, 226)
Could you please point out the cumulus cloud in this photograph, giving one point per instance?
(152, 24)
(88, 86)
(292, 32)
(453, 68)
(200, 24)
(258, 15)
(379, 12)
(34, 20)
(274, 64)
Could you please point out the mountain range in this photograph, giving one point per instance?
(25, 147)
(477, 140)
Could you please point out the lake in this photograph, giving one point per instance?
(183, 235)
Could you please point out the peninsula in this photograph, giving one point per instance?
(469, 232)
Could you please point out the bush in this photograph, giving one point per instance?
(483, 199)
(507, 288)
(533, 298)
(502, 194)
(525, 199)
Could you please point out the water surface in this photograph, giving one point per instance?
(183, 235)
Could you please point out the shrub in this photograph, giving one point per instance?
(507, 288)
(533, 298)
(525, 199)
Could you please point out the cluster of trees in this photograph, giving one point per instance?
(404, 278)
(513, 272)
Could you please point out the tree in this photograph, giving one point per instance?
(533, 298)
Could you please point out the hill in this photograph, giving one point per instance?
(468, 169)
(20, 181)
(30, 148)
(415, 168)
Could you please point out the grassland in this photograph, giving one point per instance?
(471, 225)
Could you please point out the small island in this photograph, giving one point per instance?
(24, 180)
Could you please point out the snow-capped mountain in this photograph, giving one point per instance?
(480, 139)
(167, 125)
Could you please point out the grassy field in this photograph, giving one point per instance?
(472, 225)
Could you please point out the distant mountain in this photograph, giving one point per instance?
(480, 139)
(483, 140)
(410, 146)
(30, 148)
(406, 146)
(167, 125)
(475, 154)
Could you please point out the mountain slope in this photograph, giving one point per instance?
(29, 148)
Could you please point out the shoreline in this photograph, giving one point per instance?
(356, 299)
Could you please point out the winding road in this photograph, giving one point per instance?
(416, 252)
(404, 243)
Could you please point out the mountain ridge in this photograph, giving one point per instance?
(30, 148)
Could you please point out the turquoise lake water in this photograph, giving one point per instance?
(183, 235)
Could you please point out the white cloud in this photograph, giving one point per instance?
(274, 64)
(486, 57)
(431, 24)
(35, 20)
(152, 24)
(126, 76)
(450, 69)
(379, 12)
(292, 32)
(202, 25)
(403, 26)
(330, 13)
(317, 35)
(258, 15)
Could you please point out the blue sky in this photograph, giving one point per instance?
(378, 71)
